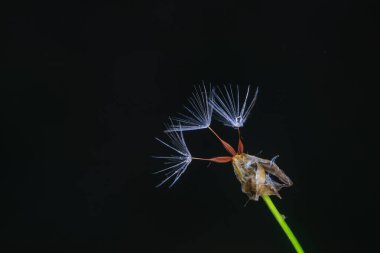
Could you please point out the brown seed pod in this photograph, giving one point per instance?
(254, 175)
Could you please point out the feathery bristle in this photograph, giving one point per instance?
(178, 162)
(199, 111)
(227, 105)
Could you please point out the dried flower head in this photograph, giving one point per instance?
(253, 173)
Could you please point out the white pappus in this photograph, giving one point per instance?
(177, 162)
(199, 111)
(227, 105)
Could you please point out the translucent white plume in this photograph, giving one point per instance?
(228, 107)
(198, 113)
(178, 162)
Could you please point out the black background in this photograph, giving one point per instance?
(87, 86)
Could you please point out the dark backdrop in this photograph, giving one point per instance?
(87, 86)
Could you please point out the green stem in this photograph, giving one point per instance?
(283, 224)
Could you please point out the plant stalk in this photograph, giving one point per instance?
(283, 224)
